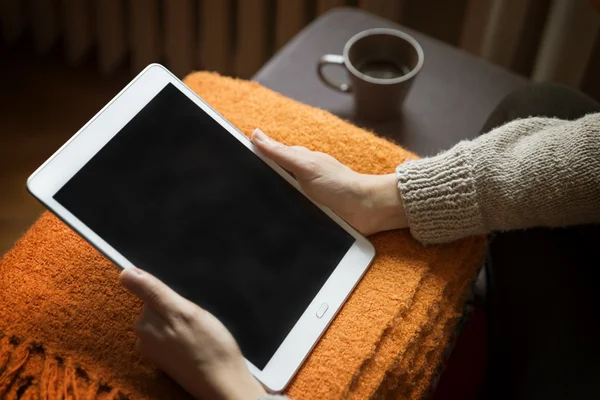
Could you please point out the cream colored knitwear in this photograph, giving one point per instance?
(528, 173)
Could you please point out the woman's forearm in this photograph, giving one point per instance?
(529, 172)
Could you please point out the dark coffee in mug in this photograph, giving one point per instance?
(383, 69)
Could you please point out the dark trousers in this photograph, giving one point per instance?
(543, 305)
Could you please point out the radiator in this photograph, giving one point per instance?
(236, 37)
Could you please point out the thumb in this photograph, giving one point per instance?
(297, 160)
(151, 291)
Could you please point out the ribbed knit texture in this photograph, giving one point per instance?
(527, 173)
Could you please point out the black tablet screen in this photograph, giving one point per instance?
(181, 198)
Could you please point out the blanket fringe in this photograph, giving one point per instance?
(30, 371)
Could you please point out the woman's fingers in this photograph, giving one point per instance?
(298, 160)
(148, 315)
(155, 294)
(149, 323)
(149, 326)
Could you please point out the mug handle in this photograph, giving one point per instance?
(333, 59)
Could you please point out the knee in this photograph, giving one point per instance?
(541, 100)
(542, 93)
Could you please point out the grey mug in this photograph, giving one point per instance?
(382, 65)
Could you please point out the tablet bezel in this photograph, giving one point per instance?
(75, 153)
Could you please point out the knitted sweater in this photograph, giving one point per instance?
(531, 172)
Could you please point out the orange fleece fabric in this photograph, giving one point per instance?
(441, 283)
(68, 327)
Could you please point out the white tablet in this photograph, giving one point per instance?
(159, 180)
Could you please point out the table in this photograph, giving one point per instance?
(449, 101)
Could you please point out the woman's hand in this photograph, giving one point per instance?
(188, 343)
(370, 203)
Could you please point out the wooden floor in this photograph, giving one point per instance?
(43, 102)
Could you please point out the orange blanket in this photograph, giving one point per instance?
(67, 328)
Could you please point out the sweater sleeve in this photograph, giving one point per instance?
(529, 172)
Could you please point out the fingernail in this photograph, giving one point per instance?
(136, 271)
(260, 136)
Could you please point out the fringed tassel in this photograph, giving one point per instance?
(49, 379)
(28, 372)
(18, 358)
(69, 386)
(4, 352)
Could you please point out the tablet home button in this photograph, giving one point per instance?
(321, 311)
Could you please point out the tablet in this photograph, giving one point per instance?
(159, 180)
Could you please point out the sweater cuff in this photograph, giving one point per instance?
(440, 196)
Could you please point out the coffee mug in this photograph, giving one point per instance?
(381, 64)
